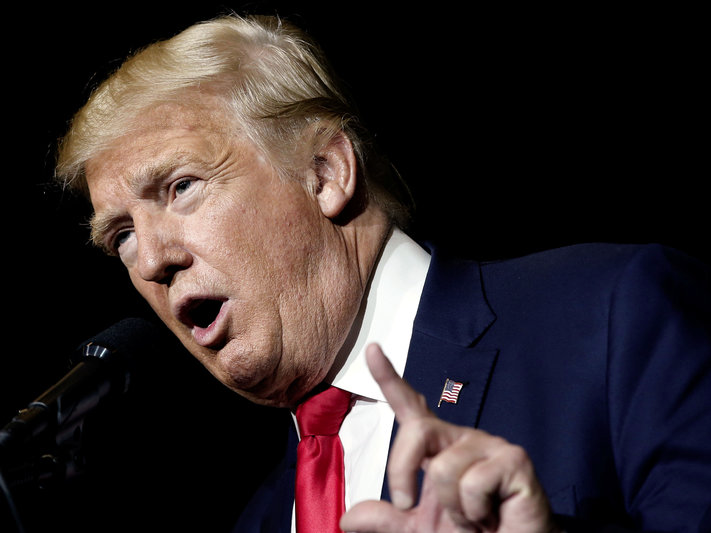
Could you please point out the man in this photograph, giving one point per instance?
(231, 176)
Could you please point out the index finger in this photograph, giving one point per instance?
(405, 401)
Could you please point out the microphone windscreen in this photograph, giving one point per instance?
(125, 334)
(133, 351)
(127, 340)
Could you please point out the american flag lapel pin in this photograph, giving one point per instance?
(450, 392)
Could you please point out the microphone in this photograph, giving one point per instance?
(104, 371)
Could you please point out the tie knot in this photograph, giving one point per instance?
(323, 413)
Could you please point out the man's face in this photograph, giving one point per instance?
(238, 263)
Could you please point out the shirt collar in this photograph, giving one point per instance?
(391, 305)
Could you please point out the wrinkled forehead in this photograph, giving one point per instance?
(202, 112)
(148, 134)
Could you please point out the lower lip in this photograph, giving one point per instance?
(212, 335)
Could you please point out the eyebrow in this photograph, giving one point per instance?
(145, 182)
(100, 225)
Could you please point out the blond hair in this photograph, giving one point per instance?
(273, 80)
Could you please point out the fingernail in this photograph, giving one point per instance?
(402, 500)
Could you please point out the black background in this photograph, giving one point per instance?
(518, 129)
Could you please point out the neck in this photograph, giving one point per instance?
(368, 254)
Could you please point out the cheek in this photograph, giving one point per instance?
(262, 241)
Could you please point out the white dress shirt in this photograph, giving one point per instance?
(392, 302)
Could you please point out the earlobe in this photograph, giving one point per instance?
(336, 170)
(332, 200)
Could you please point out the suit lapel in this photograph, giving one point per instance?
(452, 317)
(435, 361)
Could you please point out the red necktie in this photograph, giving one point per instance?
(320, 477)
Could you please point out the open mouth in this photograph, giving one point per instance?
(201, 313)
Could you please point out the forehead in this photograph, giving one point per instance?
(166, 135)
(203, 115)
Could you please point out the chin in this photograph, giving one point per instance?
(284, 392)
(250, 374)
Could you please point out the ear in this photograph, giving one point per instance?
(336, 170)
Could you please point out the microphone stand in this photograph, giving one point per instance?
(43, 446)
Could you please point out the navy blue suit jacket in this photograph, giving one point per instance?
(595, 358)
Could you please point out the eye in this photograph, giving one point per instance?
(181, 186)
(183, 194)
(120, 240)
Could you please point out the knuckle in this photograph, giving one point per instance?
(439, 470)
(421, 425)
(413, 433)
(470, 487)
(422, 402)
(418, 406)
(499, 443)
(517, 457)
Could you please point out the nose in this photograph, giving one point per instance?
(161, 255)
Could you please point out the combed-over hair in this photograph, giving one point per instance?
(274, 81)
